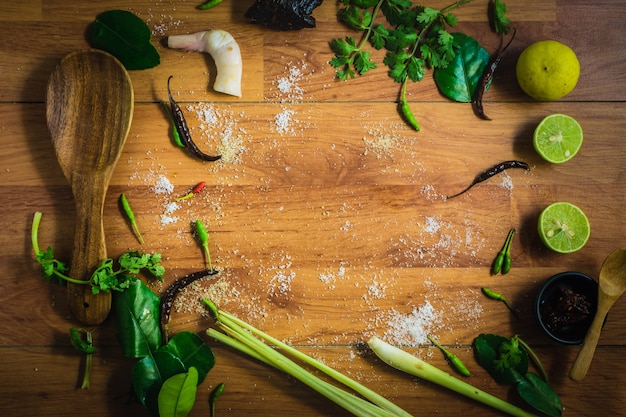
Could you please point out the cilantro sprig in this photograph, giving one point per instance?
(415, 37)
(507, 360)
(106, 277)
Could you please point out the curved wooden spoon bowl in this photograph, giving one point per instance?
(612, 283)
(89, 108)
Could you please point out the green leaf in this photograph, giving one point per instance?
(489, 353)
(178, 394)
(343, 47)
(137, 320)
(81, 343)
(499, 22)
(149, 374)
(362, 63)
(127, 37)
(463, 74)
(536, 392)
(192, 351)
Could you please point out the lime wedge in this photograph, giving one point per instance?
(563, 227)
(558, 138)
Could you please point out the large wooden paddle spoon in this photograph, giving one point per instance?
(89, 108)
(612, 283)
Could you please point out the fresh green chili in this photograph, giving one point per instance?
(502, 262)
(175, 134)
(208, 4)
(203, 235)
(214, 396)
(454, 360)
(405, 109)
(131, 216)
(499, 297)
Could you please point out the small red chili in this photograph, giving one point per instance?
(195, 190)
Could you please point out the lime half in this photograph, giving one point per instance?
(563, 227)
(558, 138)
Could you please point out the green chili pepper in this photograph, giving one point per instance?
(499, 297)
(454, 360)
(131, 216)
(213, 397)
(175, 134)
(209, 4)
(203, 235)
(502, 262)
(407, 114)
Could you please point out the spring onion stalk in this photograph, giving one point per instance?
(247, 339)
(404, 361)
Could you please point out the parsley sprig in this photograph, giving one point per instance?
(415, 37)
(106, 277)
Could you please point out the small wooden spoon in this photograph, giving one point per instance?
(612, 283)
(89, 108)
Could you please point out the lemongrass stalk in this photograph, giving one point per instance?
(239, 335)
(268, 355)
(338, 376)
(404, 361)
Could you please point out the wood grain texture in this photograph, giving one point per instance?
(328, 228)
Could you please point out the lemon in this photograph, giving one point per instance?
(563, 227)
(547, 70)
(558, 138)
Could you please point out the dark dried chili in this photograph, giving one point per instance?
(490, 69)
(167, 299)
(183, 130)
(494, 170)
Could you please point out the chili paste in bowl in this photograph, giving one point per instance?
(565, 306)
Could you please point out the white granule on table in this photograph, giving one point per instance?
(412, 328)
(433, 224)
(507, 182)
(283, 121)
(163, 186)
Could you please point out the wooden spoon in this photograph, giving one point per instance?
(89, 108)
(612, 283)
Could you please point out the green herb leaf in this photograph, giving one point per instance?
(178, 394)
(78, 338)
(150, 373)
(499, 22)
(192, 351)
(495, 353)
(137, 320)
(127, 37)
(460, 78)
(536, 392)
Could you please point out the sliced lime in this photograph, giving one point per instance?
(558, 138)
(563, 227)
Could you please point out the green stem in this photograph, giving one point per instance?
(404, 361)
(87, 374)
(241, 336)
(535, 359)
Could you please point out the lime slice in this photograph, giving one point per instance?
(558, 138)
(563, 227)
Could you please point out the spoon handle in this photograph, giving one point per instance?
(89, 250)
(585, 354)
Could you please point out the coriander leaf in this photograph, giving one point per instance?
(428, 16)
(354, 18)
(127, 37)
(415, 69)
(362, 62)
(343, 47)
(459, 79)
(536, 392)
(499, 22)
(379, 36)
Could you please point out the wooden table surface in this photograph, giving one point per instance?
(326, 214)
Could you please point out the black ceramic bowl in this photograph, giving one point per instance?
(565, 306)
